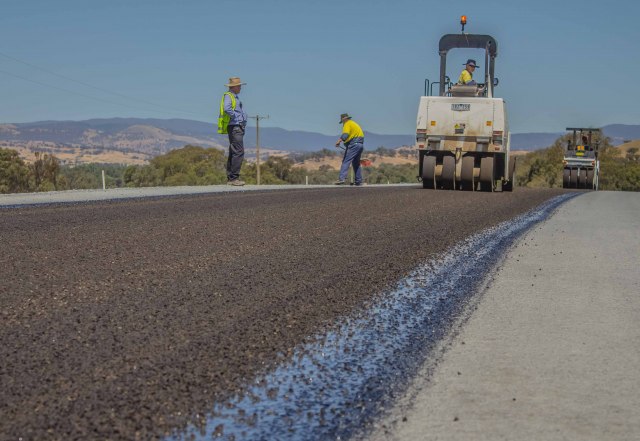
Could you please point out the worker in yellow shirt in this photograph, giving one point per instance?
(353, 139)
(466, 77)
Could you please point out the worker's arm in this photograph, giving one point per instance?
(344, 136)
(228, 109)
(245, 117)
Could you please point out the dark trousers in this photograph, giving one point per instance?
(236, 152)
(352, 155)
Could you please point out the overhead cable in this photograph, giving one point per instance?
(101, 89)
(78, 93)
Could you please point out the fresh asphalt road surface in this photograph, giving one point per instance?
(553, 350)
(127, 319)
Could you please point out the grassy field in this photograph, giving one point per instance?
(77, 155)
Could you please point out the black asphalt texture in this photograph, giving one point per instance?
(128, 319)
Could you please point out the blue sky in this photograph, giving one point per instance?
(560, 63)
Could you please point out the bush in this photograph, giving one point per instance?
(190, 165)
(44, 172)
(14, 173)
(87, 176)
(543, 168)
(383, 151)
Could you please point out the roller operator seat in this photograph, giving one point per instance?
(466, 90)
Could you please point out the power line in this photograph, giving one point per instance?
(78, 93)
(26, 63)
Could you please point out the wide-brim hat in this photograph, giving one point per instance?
(471, 62)
(343, 116)
(235, 81)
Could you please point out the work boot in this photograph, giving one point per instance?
(236, 183)
(339, 183)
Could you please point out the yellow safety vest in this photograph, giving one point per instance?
(352, 130)
(223, 118)
(465, 77)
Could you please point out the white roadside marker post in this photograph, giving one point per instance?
(104, 184)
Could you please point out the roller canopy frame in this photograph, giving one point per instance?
(575, 131)
(468, 41)
(589, 130)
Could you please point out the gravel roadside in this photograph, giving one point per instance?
(124, 320)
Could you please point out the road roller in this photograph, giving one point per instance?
(581, 167)
(462, 134)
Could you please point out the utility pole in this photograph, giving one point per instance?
(258, 118)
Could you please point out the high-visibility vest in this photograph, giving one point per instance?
(223, 118)
(465, 77)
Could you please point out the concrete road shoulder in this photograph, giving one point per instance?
(553, 350)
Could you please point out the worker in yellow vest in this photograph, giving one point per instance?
(353, 139)
(232, 121)
(466, 77)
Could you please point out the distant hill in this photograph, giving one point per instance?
(619, 133)
(293, 140)
(532, 141)
(150, 137)
(630, 148)
(157, 136)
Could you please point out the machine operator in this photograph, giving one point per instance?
(466, 77)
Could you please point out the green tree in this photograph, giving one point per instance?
(383, 151)
(90, 175)
(280, 167)
(142, 176)
(44, 171)
(543, 168)
(267, 177)
(14, 173)
(191, 165)
(618, 172)
(391, 173)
